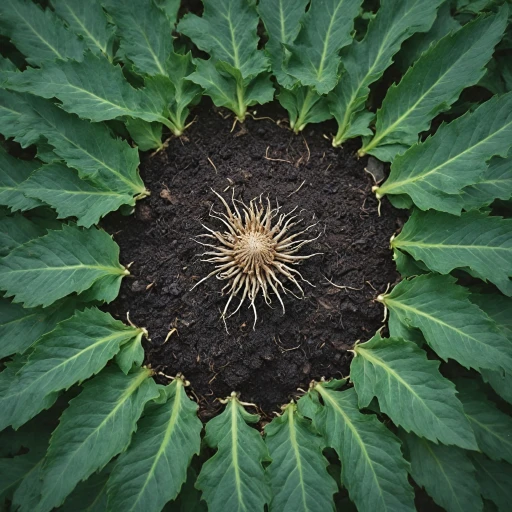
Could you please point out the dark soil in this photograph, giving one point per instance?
(284, 353)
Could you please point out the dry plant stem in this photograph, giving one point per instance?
(254, 251)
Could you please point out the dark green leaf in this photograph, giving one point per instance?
(365, 61)
(234, 479)
(38, 33)
(434, 172)
(446, 473)
(71, 196)
(410, 390)
(436, 81)
(453, 326)
(97, 425)
(373, 469)
(494, 479)
(13, 172)
(298, 473)
(326, 28)
(153, 469)
(445, 242)
(62, 262)
(88, 20)
(76, 349)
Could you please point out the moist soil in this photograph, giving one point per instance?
(284, 352)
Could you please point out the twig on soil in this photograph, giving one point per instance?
(282, 349)
(307, 147)
(170, 333)
(260, 118)
(217, 373)
(296, 190)
(266, 157)
(213, 165)
(343, 287)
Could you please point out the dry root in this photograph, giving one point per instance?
(253, 254)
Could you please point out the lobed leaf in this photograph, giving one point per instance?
(326, 29)
(48, 268)
(227, 31)
(234, 479)
(416, 45)
(90, 495)
(365, 61)
(434, 173)
(372, 467)
(76, 349)
(436, 81)
(445, 472)
(13, 172)
(453, 326)
(410, 390)
(88, 20)
(89, 148)
(494, 183)
(16, 230)
(282, 22)
(21, 327)
(491, 426)
(298, 472)
(153, 469)
(38, 33)
(494, 480)
(71, 196)
(145, 34)
(444, 242)
(94, 89)
(97, 425)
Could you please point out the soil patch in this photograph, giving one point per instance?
(285, 352)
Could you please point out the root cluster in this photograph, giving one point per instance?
(255, 252)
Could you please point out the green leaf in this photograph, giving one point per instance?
(15, 231)
(282, 23)
(365, 61)
(326, 28)
(499, 308)
(189, 498)
(227, 31)
(412, 49)
(62, 262)
(13, 471)
(494, 479)
(145, 34)
(71, 196)
(131, 353)
(89, 148)
(186, 93)
(94, 89)
(234, 479)
(453, 326)
(445, 472)
(410, 390)
(298, 472)
(407, 265)
(170, 7)
(153, 469)
(88, 20)
(226, 91)
(89, 496)
(436, 81)
(445, 242)
(304, 106)
(494, 183)
(373, 469)
(492, 427)
(97, 425)
(38, 33)
(146, 135)
(434, 172)
(20, 327)
(13, 172)
(76, 349)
